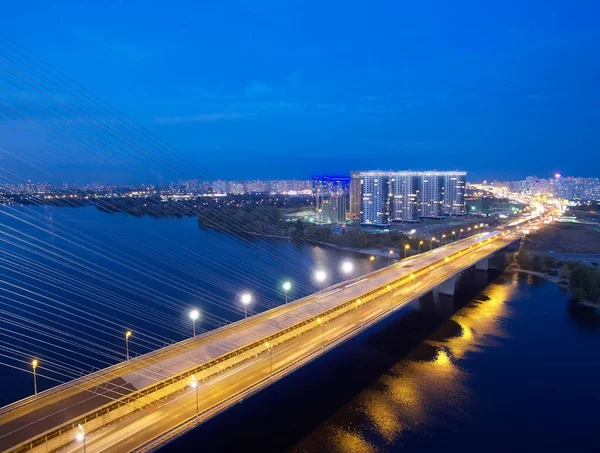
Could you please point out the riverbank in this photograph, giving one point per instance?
(380, 252)
(554, 279)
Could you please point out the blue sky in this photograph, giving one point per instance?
(285, 89)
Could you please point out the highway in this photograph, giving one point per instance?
(230, 363)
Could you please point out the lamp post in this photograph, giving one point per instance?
(195, 386)
(322, 333)
(420, 244)
(34, 364)
(443, 237)
(270, 359)
(371, 258)
(81, 435)
(320, 276)
(246, 298)
(431, 247)
(362, 312)
(453, 234)
(194, 314)
(127, 335)
(406, 247)
(286, 287)
(390, 253)
(461, 232)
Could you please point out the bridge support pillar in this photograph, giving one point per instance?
(446, 288)
(482, 265)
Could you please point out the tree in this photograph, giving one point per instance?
(523, 259)
(538, 264)
(551, 262)
(564, 271)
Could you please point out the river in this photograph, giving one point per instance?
(505, 365)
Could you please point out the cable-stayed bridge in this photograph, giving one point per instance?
(142, 403)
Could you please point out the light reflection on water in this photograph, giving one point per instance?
(402, 400)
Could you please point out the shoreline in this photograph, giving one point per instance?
(550, 278)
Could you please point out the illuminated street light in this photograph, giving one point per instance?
(34, 364)
(390, 253)
(453, 234)
(127, 335)
(286, 287)
(195, 386)
(461, 232)
(320, 277)
(443, 237)
(194, 314)
(347, 267)
(246, 298)
(372, 258)
(420, 244)
(431, 247)
(406, 247)
(80, 436)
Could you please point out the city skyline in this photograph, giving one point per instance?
(510, 81)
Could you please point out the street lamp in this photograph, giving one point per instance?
(322, 324)
(443, 237)
(461, 232)
(406, 247)
(372, 258)
(246, 298)
(80, 436)
(194, 314)
(362, 312)
(195, 386)
(286, 287)
(320, 276)
(34, 364)
(432, 239)
(453, 234)
(127, 335)
(390, 253)
(270, 359)
(420, 244)
(347, 267)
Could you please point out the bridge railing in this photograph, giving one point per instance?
(168, 386)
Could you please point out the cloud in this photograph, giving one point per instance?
(202, 118)
(255, 89)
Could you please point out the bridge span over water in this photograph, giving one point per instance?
(141, 404)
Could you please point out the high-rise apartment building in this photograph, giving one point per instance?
(355, 195)
(331, 198)
(405, 189)
(406, 196)
(454, 192)
(374, 198)
(432, 195)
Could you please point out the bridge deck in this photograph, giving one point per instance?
(36, 415)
